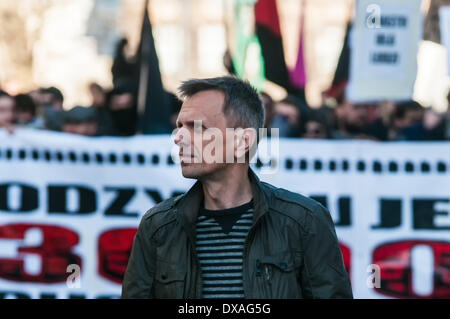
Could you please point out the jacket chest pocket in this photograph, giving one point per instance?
(169, 280)
(279, 274)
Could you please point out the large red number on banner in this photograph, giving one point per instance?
(36, 253)
(114, 248)
(407, 272)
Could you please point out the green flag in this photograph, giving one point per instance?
(247, 41)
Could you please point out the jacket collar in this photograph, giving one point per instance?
(189, 204)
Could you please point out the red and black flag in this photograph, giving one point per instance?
(341, 74)
(269, 36)
(298, 74)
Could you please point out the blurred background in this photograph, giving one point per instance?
(89, 53)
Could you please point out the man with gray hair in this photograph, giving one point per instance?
(231, 235)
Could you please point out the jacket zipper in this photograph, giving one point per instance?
(267, 273)
(267, 277)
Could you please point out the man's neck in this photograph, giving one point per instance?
(231, 190)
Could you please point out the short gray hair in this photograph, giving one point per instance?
(242, 101)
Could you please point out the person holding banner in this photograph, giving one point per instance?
(231, 235)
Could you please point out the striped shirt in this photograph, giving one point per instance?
(220, 243)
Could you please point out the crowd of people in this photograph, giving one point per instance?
(114, 113)
(111, 113)
(339, 118)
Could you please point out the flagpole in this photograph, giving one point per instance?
(144, 71)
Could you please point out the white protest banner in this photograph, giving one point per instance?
(444, 19)
(70, 207)
(384, 45)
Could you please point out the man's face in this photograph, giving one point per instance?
(410, 118)
(356, 115)
(37, 97)
(121, 102)
(98, 97)
(6, 111)
(24, 117)
(315, 130)
(289, 111)
(49, 99)
(204, 155)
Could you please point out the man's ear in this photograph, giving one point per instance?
(244, 141)
(250, 137)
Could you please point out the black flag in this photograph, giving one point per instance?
(341, 75)
(153, 102)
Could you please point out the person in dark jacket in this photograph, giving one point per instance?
(105, 125)
(231, 235)
(123, 110)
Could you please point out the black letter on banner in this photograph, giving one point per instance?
(124, 195)
(108, 297)
(77, 296)
(321, 199)
(344, 218)
(424, 213)
(57, 200)
(16, 295)
(390, 213)
(28, 201)
(155, 195)
(47, 295)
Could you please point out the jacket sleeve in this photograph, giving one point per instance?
(323, 274)
(139, 276)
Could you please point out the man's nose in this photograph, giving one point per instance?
(181, 136)
(178, 137)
